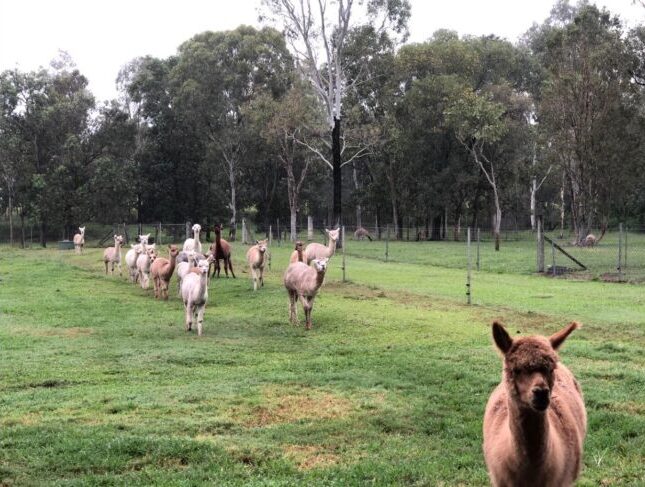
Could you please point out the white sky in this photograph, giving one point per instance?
(101, 36)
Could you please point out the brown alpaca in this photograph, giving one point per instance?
(256, 257)
(361, 233)
(161, 271)
(220, 250)
(535, 420)
(298, 254)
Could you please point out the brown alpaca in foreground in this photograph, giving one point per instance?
(220, 250)
(256, 257)
(297, 255)
(303, 281)
(535, 420)
(319, 251)
(161, 271)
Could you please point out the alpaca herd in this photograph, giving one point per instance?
(302, 279)
(535, 420)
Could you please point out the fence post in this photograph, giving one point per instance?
(245, 239)
(278, 231)
(140, 229)
(478, 249)
(187, 229)
(468, 298)
(540, 245)
(158, 233)
(387, 242)
(553, 259)
(343, 248)
(625, 251)
(310, 228)
(620, 251)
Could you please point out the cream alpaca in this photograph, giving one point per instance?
(256, 257)
(79, 240)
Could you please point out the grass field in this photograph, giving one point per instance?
(101, 385)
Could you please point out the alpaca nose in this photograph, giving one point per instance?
(541, 398)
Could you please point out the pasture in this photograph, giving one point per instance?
(101, 385)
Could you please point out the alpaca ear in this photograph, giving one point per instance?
(557, 338)
(502, 339)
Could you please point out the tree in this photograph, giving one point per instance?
(283, 123)
(584, 107)
(318, 33)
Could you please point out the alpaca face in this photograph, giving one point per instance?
(321, 264)
(203, 266)
(333, 234)
(262, 245)
(197, 228)
(143, 239)
(529, 365)
(173, 250)
(118, 239)
(82, 229)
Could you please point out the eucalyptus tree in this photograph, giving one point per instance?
(318, 33)
(585, 107)
(216, 74)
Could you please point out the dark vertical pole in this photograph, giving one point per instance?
(387, 242)
(540, 244)
(344, 267)
(468, 297)
(478, 241)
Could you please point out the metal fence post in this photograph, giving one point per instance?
(468, 297)
(387, 242)
(620, 250)
(478, 249)
(310, 228)
(553, 259)
(625, 251)
(540, 245)
(343, 248)
(187, 229)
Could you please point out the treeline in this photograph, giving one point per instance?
(471, 131)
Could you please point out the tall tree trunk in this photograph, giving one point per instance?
(533, 202)
(336, 174)
(498, 219)
(22, 230)
(43, 232)
(435, 233)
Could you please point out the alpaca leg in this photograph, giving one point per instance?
(293, 311)
(189, 315)
(230, 266)
(262, 276)
(106, 267)
(120, 270)
(200, 319)
(254, 278)
(307, 304)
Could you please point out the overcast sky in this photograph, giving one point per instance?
(101, 36)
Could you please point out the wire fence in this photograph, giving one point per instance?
(617, 256)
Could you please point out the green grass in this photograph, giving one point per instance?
(101, 385)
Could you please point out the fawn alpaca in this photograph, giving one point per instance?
(256, 257)
(303, 281)
(194, 293)
(319, 251)
(298, 254)
(535, 420)
(112, 255)
(161, 271)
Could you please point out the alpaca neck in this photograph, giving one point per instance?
(218, 245)
(173, 262)
(300, 257)
(331, 247)
(529, 431)
(320, 277)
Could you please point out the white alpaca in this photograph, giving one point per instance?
(256, 257)
(303, 281)
(112, 255)
(319, 251)
(79, 241)
(144, 261)
(194, 243)
(194, 294)
(143, 239)
(131, 257)
(185, 262)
